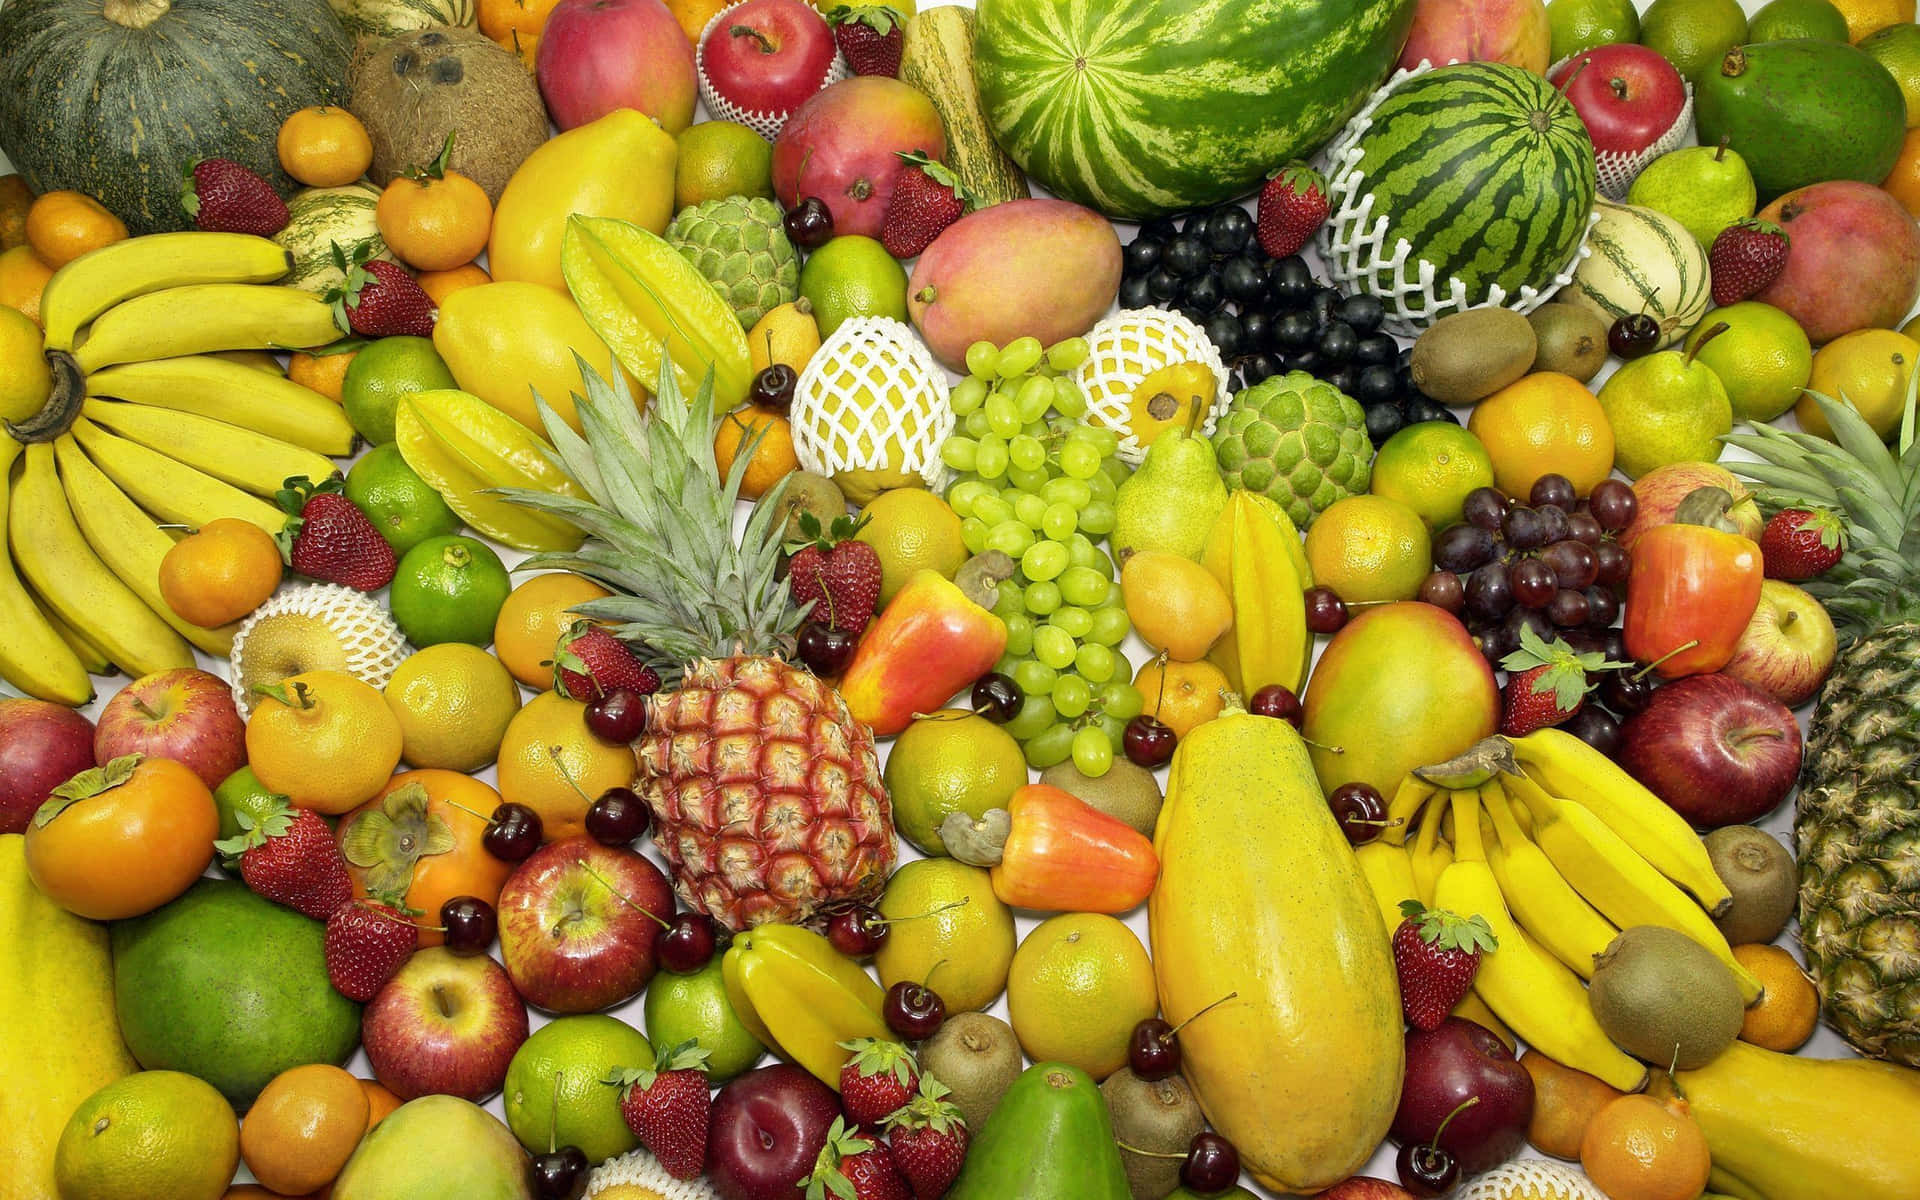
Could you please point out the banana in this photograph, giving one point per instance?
(171, 490)
(55, 558)
(33, 656)
(1412, 794)
(92, 657)
(1566, 766)
(1542, 901)
(1389, 872)
(95, 282)
(128, 541)
(203, 317)
(1529, 989)
(223, 390)
(1430, 855)
(238, 456)
(1619, 883)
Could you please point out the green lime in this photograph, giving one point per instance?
(853, 277)
(950, 761)
(1578, 25)
(720, 159)
(449, 589)
(153, 1133)
(1763, 357)
(580, 1052)
(1694, 35)
(402, 506)
(1782, 20)
(695, 1008)
(384, 371)
(1897, 48)
(242, 792)
(1430, 467)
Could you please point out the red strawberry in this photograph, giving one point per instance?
(366, 943)
(1436, 954)
(1292, 208)
(879, 1078)
(669, 1108)
(1547, 684)
(1747, 256)
(839, 576)
(328, 539)
(379, 299)
(927, 197)
(224, 197)
(869, 37)
(590, 662)
(290, 858)
(1800, 543)
(853, 1166)
(929, 1141)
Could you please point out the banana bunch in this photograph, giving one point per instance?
(146, 426)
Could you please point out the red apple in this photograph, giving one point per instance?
(1718, 751)
(1629, 96)
(185, 714)
(768, 1128)
(1660, 491)
(599, 55)
(575, 926)
(42, 745)
(844, 146)
(445, 1024)
(767, 57)
(1853, 259)
(1789, 646)
(1365, 1187)
(1448, 1066)
(1514, 32)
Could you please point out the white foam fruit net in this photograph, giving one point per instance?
(1125, 348)
(1618, 169)
(373, 644)
(1530, 1179)
(767, 124)
(872, 399)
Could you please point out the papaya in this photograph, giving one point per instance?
(1262, 903)
(1050, 1138)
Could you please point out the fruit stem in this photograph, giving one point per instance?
(1167, 1037)
(1466, 1104)
(760, 40)
(1720, 154)
(622, 897)
(1148, 1153)
(554, 752)
(1718, 328)
(553, 1117)
(932, 912)
(1682, 648)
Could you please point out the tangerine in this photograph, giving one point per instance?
(1546, 423)
(321, 371)
(438, 285)
(1184, 695)
(773, 456)
(1640, 1148)
(324, 146)
(422, 841)
(1789, 1007)
(120, 840)
(552, 763)
(531, 621)
(22, 278)
(63, 225)
(220, 572)
(435, 220)
(324, 739)
(380, 1101)
(516, 24)
(303, 1127)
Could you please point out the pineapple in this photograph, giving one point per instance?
(1858, 822)
(766, 794)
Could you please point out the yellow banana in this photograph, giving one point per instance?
(1542, 901)
(1412, 794)
(100, 279)
(54, 556)
(33, 656)
(241, 457)
(205, 317)
(1566, 766)
(171, 490)
(1529, 989)
(1430, 855)
(92, 657)
(270, 405)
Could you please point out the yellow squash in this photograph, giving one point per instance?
(1255, 553)
(505, 341)
(1260, 897)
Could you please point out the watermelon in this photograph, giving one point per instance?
(1643, 261)
(1140, 107)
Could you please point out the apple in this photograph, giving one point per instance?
(768, 1127)
(1789, 646)
(1853, 259)
(184, 714)
(1366, 1187)
(599, 55)
(42, 745)
(1718, 751)
(1450, 1065)
(1660, 491)
(766, 58)
(445, 1024)
(1629, 96)
(578, 922)
(1514, 32)
(844, 146)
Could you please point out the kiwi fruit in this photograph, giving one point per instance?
(1468, 356)
(806, 492)
(1126, 792)
(978, 1058)
(1572, 340)
(1664, 998)
(1760, 873)
(1160, 1117)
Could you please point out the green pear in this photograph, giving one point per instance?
(1666, 408)
(436, 1148)
(1705, 188)
(1170, 503)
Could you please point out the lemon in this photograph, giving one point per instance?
(1430, 467)
(1693, 35)
(788, 334)
(1782, 20)
(454, 702)
(949, 930)
(950, 761)
(1078, 985)
(1763, 358)
(25, 378)
(580, 1052)
(1897, 48)
(402, 506)
(1869, 369)
(853, 276)
(383, 371)
(1370, 549)
(719, 159)
(911, 529)
(1576, 25)
(154, 1133)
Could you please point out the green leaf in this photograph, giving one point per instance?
(85, 786)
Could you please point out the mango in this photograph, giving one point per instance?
(436, 1148)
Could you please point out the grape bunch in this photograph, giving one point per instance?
(1037, 483)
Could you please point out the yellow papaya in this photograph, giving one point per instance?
(505, 341)
(1254, 551)
(796, 993)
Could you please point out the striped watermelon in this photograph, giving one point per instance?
(322, 217)
(1138, 107)
(1643, 261)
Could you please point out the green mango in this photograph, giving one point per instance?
(1050, 1138)
(436, 1148)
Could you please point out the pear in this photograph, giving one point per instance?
(1705, 188)
(1666, 408)
(1170, 503)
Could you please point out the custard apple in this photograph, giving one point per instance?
(742, 249)
(1300, 442)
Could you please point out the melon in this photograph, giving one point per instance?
(385, 18)
(1643, 261)
(322, 218)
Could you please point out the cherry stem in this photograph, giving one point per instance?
(621, 896)
(1148, 1153)
(1682, 648)
(554, 752)
(1167, 1037)
(932, 912)
(1466, 1104)
(463, 808)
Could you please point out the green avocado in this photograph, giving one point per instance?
(1050, 1138)
(1803, 111)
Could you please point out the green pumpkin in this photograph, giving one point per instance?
(118, 98)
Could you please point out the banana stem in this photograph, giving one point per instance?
(1467, 846)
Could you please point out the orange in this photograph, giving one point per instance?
(380, 1101)
(1640, 1148)
(434, 222)
(1193, 693)
(1871, 16)
(303, 1127)
(552, 763)
(323, 373)
(1370, 549)
(390, 843)
(532, 620)
(253, 1191)
(1903, 182)
(221, 572)
(516, 24)
(22, 278)
(324, 146)
(773, 458)
(438, 285)
(61, 226)
(1564, 1101)
(693, 15)
(1784, 1016)
(15, 199)
(1546, 423)
(324, 739)
(131, 836)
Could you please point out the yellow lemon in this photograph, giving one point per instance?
(910, 529)
(949, 930)
(25, 379)
(153, 1133)
(454, 702)
(1078, 985)
(1869, 369)
(1369, 550)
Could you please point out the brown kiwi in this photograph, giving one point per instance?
(1160, 1117)
(1572, 340)
(1664, 998)
(1468, 356)
(978, 1058)
(1126, 792)
(1760, 873)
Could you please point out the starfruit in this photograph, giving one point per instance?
(463, 447)
(796, 993)
(1254, 551)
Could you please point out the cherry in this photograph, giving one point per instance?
(686, 944)
(617, 716)
(996, 697)
(1153, 1048)
(618, 817)
(1594, 727)
(560, 1173)
(1626, 692)
(913, 1010)
(824, 649)
(1426, 1169)
(809, 223)
(772, 388)
(1148, 741)
(1278, 701)
(470, 924)
(1634, 336)
(513, 832)
(1212, 1163)
(1326, 611)
(857, 931)
(1360, 811)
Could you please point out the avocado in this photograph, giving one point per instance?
(1050, 1138)
(1803, 111)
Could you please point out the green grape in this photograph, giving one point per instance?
(1028, 509)
(1037, 430)
(1114, 469)
(1003, 417)
(975, 425)
(1006, 664)
(1007, 601)
(1077, 622)
(1068, 399)
(973, 535)
(1121, 700)
(1035, 677)
(1122, 668)
(1020, 356)
(1079, 460)
(1110, 626)
(1053, 646)
(1081, 551)
(1067, 491)
(960, 496)
(1028, 481)
(1097, 517)
(1026, 452)
(1059, 521)
(1103, 439)
(1092, 752)
(960, 453)
(990, 458)
(1044, 560)
(982, 358)
(1115, 731)
(1050, 747)
(1034, 397)
(1094, 662)
(1084, 586)
(1042, 598)
(1010, 538)
(1068, 354)
(1071, 696)
(1036, 713)
(1020, 629)
(1099, 487)
(992, 509)
(967, 395)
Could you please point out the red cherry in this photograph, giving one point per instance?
(1277, 701)
(1213, 1164)
(513, 832)
(857, 931)
(470, 924)
(913, 1010)
(1326, 611)
(1148, 741)
(686, 944)
(617, 716)
(1360, 811)
(619, 817)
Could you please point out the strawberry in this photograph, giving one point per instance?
(1436, 953)
(590, 662)
(328, 539)
(839, 576)
(224, 197)
(927, 197)
(290, 858)
(879, 1078)
(853, 1166)
(1292, 207)
(669, 1108)
(366, 943)
(929, 1141)
(1547, 684)
(1800, 543)
(379, 299)
(1747, 256)
(869, 38)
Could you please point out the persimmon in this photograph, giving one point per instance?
(120, 840)
(420, 842)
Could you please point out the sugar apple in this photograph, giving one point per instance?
(740, 246)
(1299, 442)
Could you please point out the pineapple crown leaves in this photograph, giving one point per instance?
(687, 1056)
(828, 1179)
(843, 529)
(875, 1056)
(85, 786)
(257, 832)
(388, 841)
(929, 1109)
(1450, 931)
(880, 18)
(1566, 669)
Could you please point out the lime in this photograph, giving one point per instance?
(1694, 35)
(853, 277)
(1078, 985)
(911, 529)
(579, 1052)
(951, 761)
(242, 792)
(694, 1008)
(1578, 25)
(1781, 20)
(720, 159)
(153, 1133)
(947, 925)
(1869, 369)
(1763, 357)
(449, 589)
(454, 702)
(1897, 48)
(1430, 467)
(402, 506)
(1370, 549)
(384, 371)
